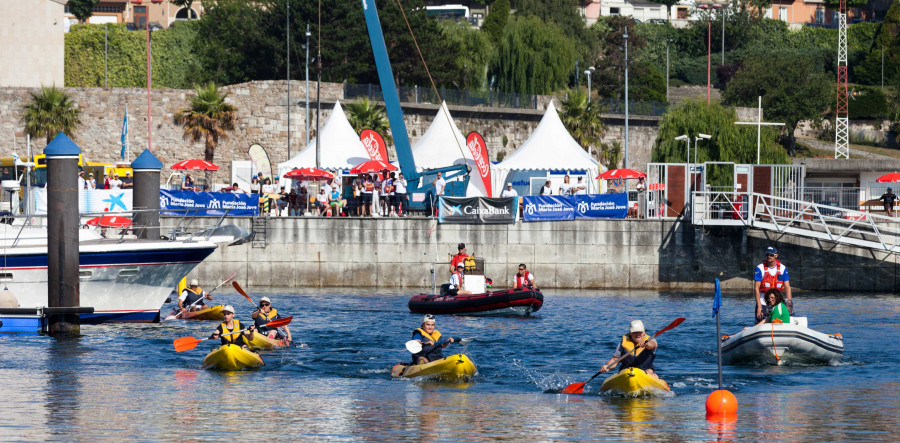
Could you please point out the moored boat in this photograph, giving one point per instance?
(231, 358)
(782, 343)
(455, 368)
(634, 382)
(509, 302)
(262, 342)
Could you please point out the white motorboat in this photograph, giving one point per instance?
(782, 343)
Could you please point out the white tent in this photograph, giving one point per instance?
(443, 145)
(341, 147)
(549, 148)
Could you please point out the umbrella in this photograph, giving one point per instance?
(621, 173)
(195, 164)
(372, 166)
(311, 174)
(110, 221)
(893, 177)
(656, 187)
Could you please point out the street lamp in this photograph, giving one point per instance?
(707, 7)
(687, 155)
(699, 137)
(625, 37)
(588, 73)
(307, 84)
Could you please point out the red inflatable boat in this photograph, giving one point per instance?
(509, 302)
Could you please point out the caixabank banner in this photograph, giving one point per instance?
(478, 210)
(208, 203)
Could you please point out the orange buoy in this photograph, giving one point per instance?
(721, 403)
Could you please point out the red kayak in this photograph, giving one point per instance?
(509, 302)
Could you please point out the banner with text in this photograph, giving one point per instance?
(89, 201)
(548, 207)
(208, 203)
(478, 210)
(601, 205)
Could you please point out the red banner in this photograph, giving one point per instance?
(476, 145)
(374, 144)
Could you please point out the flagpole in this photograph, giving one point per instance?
(719, 333)
(127, 147)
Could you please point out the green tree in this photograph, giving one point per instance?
(471, 61)
(364, 114)
(533, 57)
(609, 58)
(82, 9)
(49, 112)
(185, 4)
(207, 117)
(793, 88)
(583, 118)
(496, 20)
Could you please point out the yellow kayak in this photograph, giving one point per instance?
(261, 341)
(453, 368)
(231, 358)
(633, 381)
(211, 313)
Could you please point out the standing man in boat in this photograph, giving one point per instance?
(458, 280)
(430, 339)
(771, 274)
(640, 349)
(191, 295)
(266, 313)
(460, 257)
(523, 279)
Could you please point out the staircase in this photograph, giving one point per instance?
(260, 232)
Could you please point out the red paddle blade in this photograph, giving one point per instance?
(280, 322)
(185, 343)
(241, 291)
(674, 323)
(574, 388)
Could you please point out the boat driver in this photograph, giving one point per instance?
(460, 257)
(192, 297)
(771, 274)
(523, 279)
(640, 349)
(458, 281)
(430, 339)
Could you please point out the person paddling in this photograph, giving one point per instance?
(231, 324)
(265, 314)
(192, 297)
(430, 338)
(640, 348)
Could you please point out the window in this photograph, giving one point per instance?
(101, 8)
(613, 11)
(782, 14)
(682, 13)
(835, 18)
(820, 16)
(182, 14)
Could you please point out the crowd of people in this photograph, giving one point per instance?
(89, 182)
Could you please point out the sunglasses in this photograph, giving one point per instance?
(770, 255)
(228, 313)
(521, 269)
(265, 304)
(429, 317)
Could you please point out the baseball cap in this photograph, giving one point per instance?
(265, 299)
(637, 326)
(428, 317)
(460, 265)
(771, 250)
(195, 282)
(509, 184)
(228, 308)
(461, 246)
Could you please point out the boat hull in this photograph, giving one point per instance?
(792, 343)
(634, 382)
(232, 358)
(455, 368)
(212, 313)
(500, 303)
(22, 323)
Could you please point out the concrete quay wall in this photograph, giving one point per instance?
(584, 254)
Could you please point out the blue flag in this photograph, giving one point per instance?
(717, 303)
(124, 131)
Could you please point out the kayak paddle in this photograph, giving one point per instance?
(578, 388)
(241, 291)
(187, 343)
(414, 347)
(179, 314)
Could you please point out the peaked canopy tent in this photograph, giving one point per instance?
(443, 145)
(549, 148)
(341, 148)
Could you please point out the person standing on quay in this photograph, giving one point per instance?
(888, 198)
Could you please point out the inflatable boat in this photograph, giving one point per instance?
(509, 302)
(782, 343)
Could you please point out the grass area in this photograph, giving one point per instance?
(806, 151)
(888, 152)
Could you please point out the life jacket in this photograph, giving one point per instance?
(462, 279)
(192, 297)
(261, 319)
(770, 280)
(522, 281)
(469, 263)
(436, 352)
(434, 336)
(387, 186)
(233, 338)
(369, 186)
(628, 345)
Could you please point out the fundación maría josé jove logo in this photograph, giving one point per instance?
(530, 208)
(582, 207)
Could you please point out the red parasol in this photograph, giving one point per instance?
(621, 173)
(110, 221)
(372, 166)
(893, 177)
(311, 174)
(195, 164)
(656, 187)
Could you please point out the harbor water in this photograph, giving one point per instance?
(117, 382)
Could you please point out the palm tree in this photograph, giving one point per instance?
(208, 117)
(582, 117)
(363, 114)
(50, 112)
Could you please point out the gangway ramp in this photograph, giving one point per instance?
(796, 217)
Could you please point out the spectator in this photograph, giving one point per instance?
(580, 188)
(127, 182)
(387, 189)
(115, 183)
(293, 203)
(546, 189)
(105, 181)
(327, 186)
(321, 201)
(566, 187)
(335, 201)
(400, 195)
(268, 189)
(368, 187)
(187, 184)
(888, 198)
(82, 183)
(254, 185)
(282, 202)
(356, 202)
(509, 191)
(235, 189)
(92, 183)
(640, 186)
(302, 201)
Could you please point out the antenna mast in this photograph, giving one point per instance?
(842, 122)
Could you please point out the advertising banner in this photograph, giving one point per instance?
(209, 203)
(478, 210)
(601, 205)
(548, 207)
(478, 148)
(374, 144)
(94, 200)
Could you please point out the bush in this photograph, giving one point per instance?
(868, 103)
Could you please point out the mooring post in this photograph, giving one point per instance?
(62, 234)
(146, 169)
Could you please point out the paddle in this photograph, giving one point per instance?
(180, 313)
(187, 343)
(241, 291)
(414, 347)
(578, 388)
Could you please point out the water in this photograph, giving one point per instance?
(119, 382)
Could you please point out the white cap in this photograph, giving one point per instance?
(265, 299)
(228, 308)
(428, 317)
(636, 326)
(508, 184)
(195, 282)
(460, 265)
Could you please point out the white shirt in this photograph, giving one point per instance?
(565, 189)
(400, 186)
(82, 183)
(115, 184)
(454, 281)
(439, 186)
(546, 190)
(640, 186)
(91, 184)
(509, 193)
(269, 189)
(322, 197)
(581, 188)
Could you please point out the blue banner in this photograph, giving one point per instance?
(548, 207)
(208, 203)
(601, 205)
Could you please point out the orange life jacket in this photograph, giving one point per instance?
(770, 280)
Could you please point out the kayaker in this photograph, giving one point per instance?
(457, 281)
(523, 279)
(430, 339)
(193, 294)
(778, 311)
(771, 274)
(266, 313)
(460, 257)
(639, 346)
(231, 324)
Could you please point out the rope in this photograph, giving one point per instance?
(774, 349)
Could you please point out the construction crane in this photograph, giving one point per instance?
(842, 120)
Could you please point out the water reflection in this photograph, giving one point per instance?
(62, 397)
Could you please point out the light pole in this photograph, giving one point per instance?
(287, 26)
(685, 138)
(307, 84)
(625, 36)
(699, 137)
(668, 40)
(588, 73)
(723, 36)
(708, 7)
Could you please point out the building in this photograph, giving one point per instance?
(136, 12)
(32, 43)
(812, 12)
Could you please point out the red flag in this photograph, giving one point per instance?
(476, 145)
(374, 144)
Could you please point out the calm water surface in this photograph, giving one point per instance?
(126, 382)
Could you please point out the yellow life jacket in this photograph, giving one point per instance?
(199, 290)
(231, 338)
(273, 313)
(434, 336)
(470, 264)
(628, 345)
